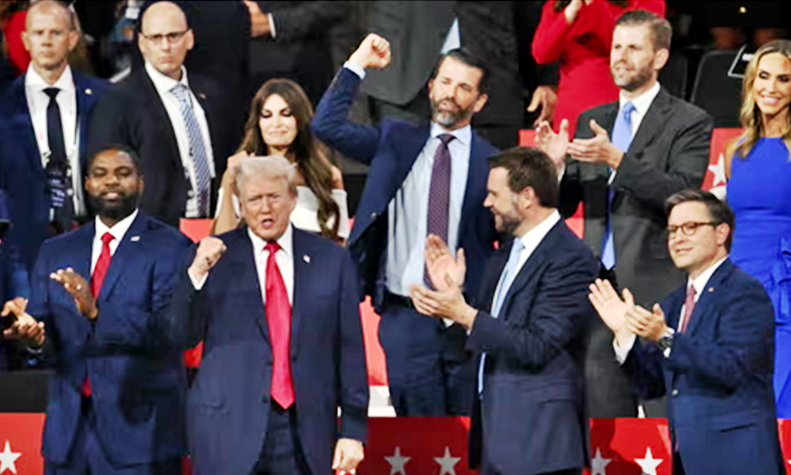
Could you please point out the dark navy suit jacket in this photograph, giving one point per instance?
(229, 403)
(135, 368)
(531, 416)
(718, 377)
(391, 149)
(21, 171)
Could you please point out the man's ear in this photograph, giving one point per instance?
(660, 59)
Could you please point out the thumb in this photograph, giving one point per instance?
(535, 101)
(596, 128)
(564, 127)
(658, 310)
(628, 297)
(336, 459)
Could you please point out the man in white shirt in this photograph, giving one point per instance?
(45, 123)
(528, 324)
(626, 159)
(172, 119)
(709, 346)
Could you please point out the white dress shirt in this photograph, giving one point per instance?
(699, 283)
(118, 231)
(284, 259)
(37, 102)
(530, 240)
(164, 85)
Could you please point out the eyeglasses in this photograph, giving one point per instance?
(689, 228)
(172, 38)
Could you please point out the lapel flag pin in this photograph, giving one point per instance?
(306, 258)
(88, 91)
(135, 238)
(711, 289)
(202, 95)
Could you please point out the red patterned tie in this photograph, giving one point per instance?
(102, 264)
(689, 306)
(278, 315)
(439, 196)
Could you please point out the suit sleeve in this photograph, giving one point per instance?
(331, 122)
(148, 330)
(559, 315)
(746, 330)
(687, 161)
(307, 19)
(189, 312)
(644, 365)
(353, 371)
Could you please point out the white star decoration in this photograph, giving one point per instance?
(718, 170)
(7, 459)
(649, 463)
(397, 462)
(599, 463)
(446, 463)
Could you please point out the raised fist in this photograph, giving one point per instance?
(210, 250)
(373, 52)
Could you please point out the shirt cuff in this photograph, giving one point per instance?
(272, 30)
(198, 284)
(622, 351)
(355, 69)
(448, 322)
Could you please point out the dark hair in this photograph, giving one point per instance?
(661, 31)
(306, 150)
(562, 4)
(465, 56)
(115, 147)
(718, 209)
(529, 166)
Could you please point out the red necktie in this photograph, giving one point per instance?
(102, 264)
(689, 306)
(278, 316)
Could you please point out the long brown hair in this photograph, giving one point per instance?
(306, 150)
(562, 4)
(750, 115)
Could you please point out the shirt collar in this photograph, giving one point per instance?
(463, 135)
(533, 238)
(286, 241)
(119, 230)
(643, 101)
(165, 84)
(700, 281)
(34, 81)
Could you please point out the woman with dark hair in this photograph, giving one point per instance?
(279, 124)
(759, 191)
(577, 34)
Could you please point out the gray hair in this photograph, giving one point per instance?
(270, 167)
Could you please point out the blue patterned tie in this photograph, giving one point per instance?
(198, 154)
(499, 297)
(438, 214)
(621, 138)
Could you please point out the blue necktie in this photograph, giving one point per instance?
(198, 154)
(621, 138)
(499, 297)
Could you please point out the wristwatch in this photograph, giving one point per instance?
(665, 342)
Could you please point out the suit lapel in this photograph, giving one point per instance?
(653, 122)
(153, 104)
(301, 291)
(126, 250)
(708, 294)
(23, 125)
(242, 267)
(85, 102)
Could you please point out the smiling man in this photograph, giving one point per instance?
(99, 304)
(278, 310)
(427, 178)
(173, 120)
(626, 159)
(709, 346)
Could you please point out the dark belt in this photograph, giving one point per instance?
(392, 299)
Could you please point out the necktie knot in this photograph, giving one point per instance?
(52, 92)
(445, 138)
(627, 110)
(691, 293)
(272, 247)
(180, 91)
(517, 246)
(107, 238)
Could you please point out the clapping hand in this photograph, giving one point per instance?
(24, 327)
(78, 287)
(611, 308)
(373, 52)
(555, 145)
(444, 271)
(598, 149)
(645, 324)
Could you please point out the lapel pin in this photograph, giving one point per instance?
(711, 289)
(135, 238)
(88, 91)
(202, 95)
(306, 258)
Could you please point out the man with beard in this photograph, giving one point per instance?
(424, 179)
(626, 159)
(100, 306)
(528, 326)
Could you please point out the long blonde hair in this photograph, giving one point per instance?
(750, 115)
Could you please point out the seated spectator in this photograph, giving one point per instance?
(279, 124)
(578, 34)
(759, 191)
